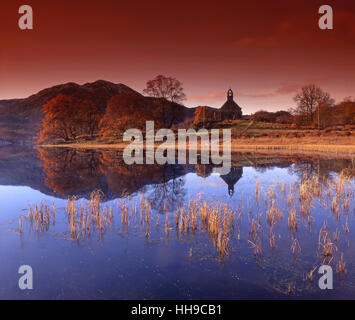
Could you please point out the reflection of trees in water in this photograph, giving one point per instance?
(301, 165)
(73, 172)
(78, 172)
(302, 170)
(123, 179)
(322, 168)
(264, 167)
(67, 171)
(166, 196)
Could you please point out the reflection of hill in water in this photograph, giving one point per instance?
(19, 166)
(65, 172)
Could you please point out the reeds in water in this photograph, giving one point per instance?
(218, 220)
(326, 248)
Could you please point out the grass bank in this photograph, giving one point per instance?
(332, 144)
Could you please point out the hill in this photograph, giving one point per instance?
(20, 118)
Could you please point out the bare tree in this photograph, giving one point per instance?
(309, 100)
(165, 87)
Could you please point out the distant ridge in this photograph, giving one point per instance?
(20, 118)
(31, 108)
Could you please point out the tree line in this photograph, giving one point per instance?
(314, 107)
(69, 119)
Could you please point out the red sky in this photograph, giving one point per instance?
(264, 50)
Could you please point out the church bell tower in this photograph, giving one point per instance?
(230, 95)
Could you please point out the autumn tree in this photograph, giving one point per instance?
(90, 117)
(60, 120)
(131, 111)
(342, 113)
(346, 111)
(165, 87)
(124, 112)
(66, 118)
(274, 117)
(308, 100)
(171, 90)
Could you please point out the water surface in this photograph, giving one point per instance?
(140, 260)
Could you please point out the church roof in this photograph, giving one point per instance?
(230, 106)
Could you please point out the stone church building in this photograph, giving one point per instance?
(230, 110)
(207, 116)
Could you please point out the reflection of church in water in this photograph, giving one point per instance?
(230, 179)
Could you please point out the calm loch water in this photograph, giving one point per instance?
(175, 232)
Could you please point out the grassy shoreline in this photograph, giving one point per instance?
(334, 145)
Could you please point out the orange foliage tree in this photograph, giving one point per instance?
(66, 118)
(122, 112)
(342, 113)
(90, 117)
(130, 111)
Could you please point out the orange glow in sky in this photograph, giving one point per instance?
(264, 50)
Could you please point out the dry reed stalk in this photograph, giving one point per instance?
(310, 275)
(346, 226)
(257, 247)
(295, 247)
(326, 247)
(292, 221)
(272, 241)
(341, 266)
